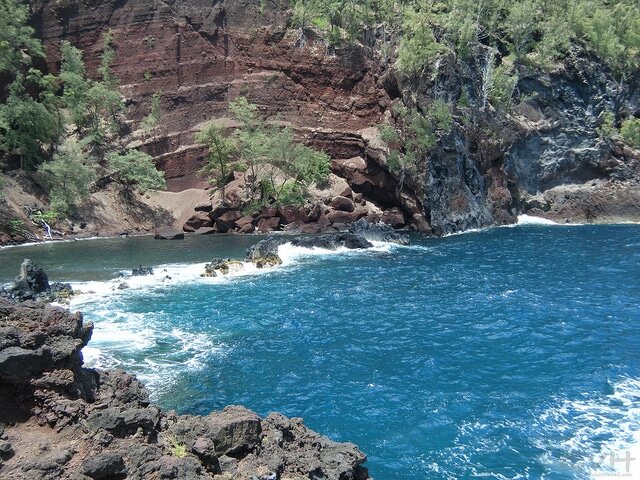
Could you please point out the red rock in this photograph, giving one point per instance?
(203, 207)
(227, 220)
(199, 220)
(347, 192)
(340, 216)
(314, 213)
(292, 214)
(206, 231)
(268, 224)
(244, 221)
(267, 212)
(343, 204)
(394, 217)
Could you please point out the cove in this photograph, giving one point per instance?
(505, 353)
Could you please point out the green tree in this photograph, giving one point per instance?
(68, 175)
(418, 47)
(30, 124)
(222, 154)
(93, 105)
(17, 43)
(136, 168)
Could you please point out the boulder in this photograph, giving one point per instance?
(104, 466)
(342, 204)
(292, 214)
(268, 224)
(244, 224)
(30, 282)
(168, 233)
(199, 220)
(203, 207)
(340, 216)
(206, 231)
(227, 220)
(394, 217)
(378, 232)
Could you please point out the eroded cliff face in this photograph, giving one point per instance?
(200, 55)
(544, 157)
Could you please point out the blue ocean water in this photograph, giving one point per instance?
(509, 353)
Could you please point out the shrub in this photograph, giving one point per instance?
(630, 132)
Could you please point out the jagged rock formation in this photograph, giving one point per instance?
(32, 283)
(60, 420)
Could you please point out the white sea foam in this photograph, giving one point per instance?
(291, 254)
(598, 434)
(531, 220)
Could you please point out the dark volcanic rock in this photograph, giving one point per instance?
(141, 271)
(32, 283)
(378, 232)
(105, 466)
(169, 234)
(268, 248)
(106, 428)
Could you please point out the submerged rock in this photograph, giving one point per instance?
(266, 251)
(141, 271)
(221, 267)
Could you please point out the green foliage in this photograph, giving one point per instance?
(418, 47)
(177, 447)
(136, 168)
(106, 60)
(151, 121)
(41, 217)
(17, 43)
(15, 226)
(30, 124)
(613, 31)
(413, 136)
(68, 176)
(222, 154)
(93, 106)
(278, 168)
(503, 86)
(630, 132)
(534, 31)
(607, 125)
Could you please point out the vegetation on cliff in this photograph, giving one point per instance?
(277, 168)
(69, 127)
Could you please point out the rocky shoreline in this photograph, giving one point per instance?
(59, 419)
(64, 421)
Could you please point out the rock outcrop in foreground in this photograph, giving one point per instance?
(60, 420)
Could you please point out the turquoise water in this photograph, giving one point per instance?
(507, 353)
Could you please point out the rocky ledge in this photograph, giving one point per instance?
(61, 420)
(266, 253)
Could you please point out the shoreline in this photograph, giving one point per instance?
(529, 220)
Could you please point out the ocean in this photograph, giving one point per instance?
(507, 353)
